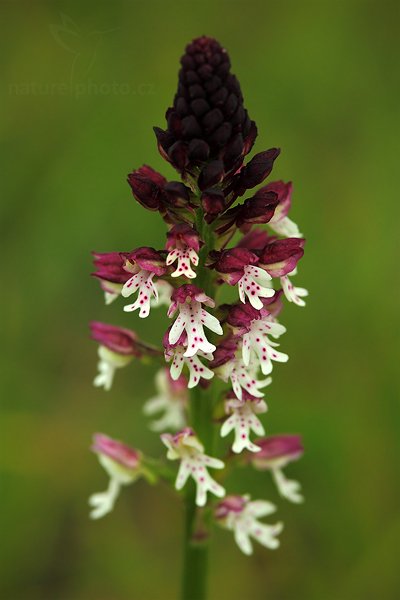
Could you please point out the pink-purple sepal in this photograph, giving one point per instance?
(121, 453)
(280, 257)
(231, 263)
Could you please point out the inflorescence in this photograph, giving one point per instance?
(213, 241)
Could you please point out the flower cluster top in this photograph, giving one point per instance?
(221, 233)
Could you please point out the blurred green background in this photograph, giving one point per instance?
(82, 86)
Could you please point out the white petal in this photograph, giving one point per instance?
(243, 540)
(211, 322)
(177, 329)
(183, 474)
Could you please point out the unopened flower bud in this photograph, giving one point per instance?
(255, 171)
(280, 257)
(280, 222)
(275, 453)
(117, 348)
(147, 186)
(110, 272)
(123, 465)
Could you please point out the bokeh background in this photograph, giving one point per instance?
(82, 85)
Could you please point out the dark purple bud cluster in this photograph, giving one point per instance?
(209, 131)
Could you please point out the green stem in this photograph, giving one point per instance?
(195, 552)
(195, 557)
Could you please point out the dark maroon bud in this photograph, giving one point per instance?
(205, 72)
(281, 256)
(225, 352)
(221, 136)
(213, 85)
(250, 139)
(233, 151)
(145, 258)
(183, 236)
(258, 209)
(182, 106)
(187, 62)
(211, 174)
(122, 341)
(256, 239)
(174, 123)
(178, 155)
(213, 203)
(198, 150)
(274, 305)
(227, 221)
(199, 107)
(190, 127)
(177, 194)
(231, 263)
(231, 105)
(147, 186)
(208, 106)
(196, 91)
(255, 171)
(164, 141)
(109, 266)
(240, 317)
(219, 97)
(191, 77)
(212, 119)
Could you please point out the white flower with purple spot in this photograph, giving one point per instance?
(142, 281)
(184, 446)
(293, 294)
(144, 263)
(242, 421)
(183, 245)
(229, 366)
(171, 399)
(184, 258)
(280, 259)
(197, 370)
(240, 515)
(192, 319)
(255, 284)
(238, 266)
(257, 343)
(109, 362)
